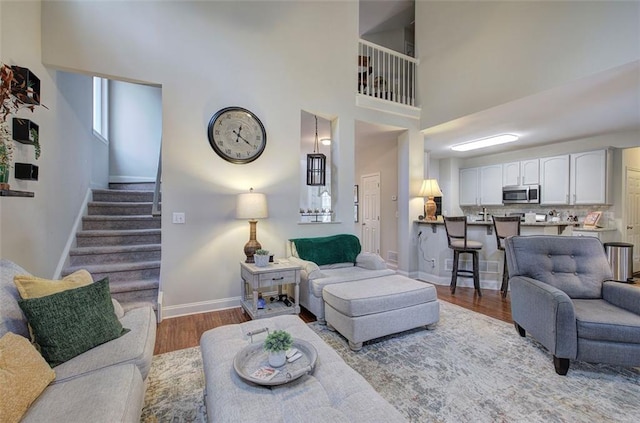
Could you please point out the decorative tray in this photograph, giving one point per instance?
(251, 364)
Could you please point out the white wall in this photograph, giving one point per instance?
(35, 230)
(135, 131)
(273, 58)
(475, 55)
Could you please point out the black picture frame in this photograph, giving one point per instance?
(355, 193)
(355, 213)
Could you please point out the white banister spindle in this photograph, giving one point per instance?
(392, 77)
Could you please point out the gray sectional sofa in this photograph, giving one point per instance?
(104, 384)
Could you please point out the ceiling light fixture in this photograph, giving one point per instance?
(326, 141)
(485, 142)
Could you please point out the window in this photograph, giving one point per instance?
(101, 108)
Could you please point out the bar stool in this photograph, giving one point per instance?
(456, 228)
(505, 227)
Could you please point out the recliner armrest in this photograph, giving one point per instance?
(547, 313)
(622, 295)
(370, 261)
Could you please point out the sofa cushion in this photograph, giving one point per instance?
(577, 268)
(11, 316)
(115, 394)
(71, 322)
(23, 376)
(602, 321)
(343, 248)
(34, 287)
(332, 276)
(134, 347)
(377, 295)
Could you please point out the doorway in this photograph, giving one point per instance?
(370, 228)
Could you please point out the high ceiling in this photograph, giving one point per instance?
(606, 102)
(603, 103)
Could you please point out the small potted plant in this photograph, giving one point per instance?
(261, 258)
(277, 344)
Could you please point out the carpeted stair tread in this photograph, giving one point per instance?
(118, 232)
(113, 267)
(111, 249)
(119, 208)
(122, 195)
(134, 285)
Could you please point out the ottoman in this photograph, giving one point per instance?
(333, 393)
(370, 308)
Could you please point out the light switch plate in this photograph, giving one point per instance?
(178, 217)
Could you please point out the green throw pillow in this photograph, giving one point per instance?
(71, 322)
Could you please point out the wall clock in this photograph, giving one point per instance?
(237, 135)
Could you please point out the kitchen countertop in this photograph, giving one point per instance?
(481, 223)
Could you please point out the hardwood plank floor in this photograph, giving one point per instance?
(184, 332)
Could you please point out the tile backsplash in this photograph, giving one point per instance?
(564, 212)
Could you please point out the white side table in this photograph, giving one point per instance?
(262, 279)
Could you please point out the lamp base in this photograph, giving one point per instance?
(430, 209)
(252, 245)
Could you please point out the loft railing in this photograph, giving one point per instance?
(386, 74)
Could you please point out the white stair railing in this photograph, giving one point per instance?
(386, 74)
(155, 208)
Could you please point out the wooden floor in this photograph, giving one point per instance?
(184, 332)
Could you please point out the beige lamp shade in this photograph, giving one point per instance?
(430, 189)
(251, 205)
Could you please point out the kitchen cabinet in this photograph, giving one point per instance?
(580, 178)
(480, 186)
(554, 180)
(525, 172)
(589, 177)
(468, 193)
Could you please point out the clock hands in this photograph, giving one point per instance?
(240, 137)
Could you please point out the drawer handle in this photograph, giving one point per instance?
(278, 279)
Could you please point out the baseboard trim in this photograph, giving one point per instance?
(199, 307)
(71, 241)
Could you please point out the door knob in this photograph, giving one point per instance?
(629, 226)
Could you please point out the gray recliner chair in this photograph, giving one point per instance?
(561, 294)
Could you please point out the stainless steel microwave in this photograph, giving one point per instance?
(525, 194)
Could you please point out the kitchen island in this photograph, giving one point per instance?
(435, 259)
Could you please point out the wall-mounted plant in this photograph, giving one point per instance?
(19, 89)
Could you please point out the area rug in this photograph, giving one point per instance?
(468, 368)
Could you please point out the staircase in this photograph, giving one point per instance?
(120, 239)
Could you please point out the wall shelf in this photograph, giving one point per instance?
(14, 193)
(22, 130)
(26, 85)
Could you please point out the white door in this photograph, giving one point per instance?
(370, 203)
(632, 215)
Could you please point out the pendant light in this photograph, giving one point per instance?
(316, 164)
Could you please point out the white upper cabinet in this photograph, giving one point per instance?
(469, 187)
(589, 177)
(530, 172)
(554, 180)
(481, 186)
(581, 178)
(490, 185)
(525, 172)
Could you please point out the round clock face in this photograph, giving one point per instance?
(237, 135)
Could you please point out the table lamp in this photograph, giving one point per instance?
(251, 205)
(430, 189)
